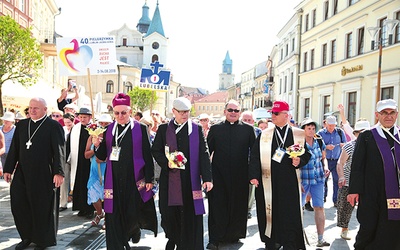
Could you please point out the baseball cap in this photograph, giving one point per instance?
(361, 125)
(386, 104)
(279, 106)
(331, 120)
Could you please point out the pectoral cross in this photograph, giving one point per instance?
(269, 209)
(28, 144)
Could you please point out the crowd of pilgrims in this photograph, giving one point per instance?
(225, 147)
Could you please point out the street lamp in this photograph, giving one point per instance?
(390, 25)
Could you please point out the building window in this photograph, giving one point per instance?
(284, 85)
(154, 58)
(351, 111)
(123, 59)
(351, 2)
(314, 16)
(360, 41)
(312, 59)
(22, 6)
(124, 41)
(280, 86)
(291, 81)
(216, 108)
(281, 54)
(128, 87)
(199, 108)
(335, 3)
(333, 51)
(287, 50)
(110, 86)
(326, 104)
(326, 10)
(324, 54)
(387, 93)
(349, 41)
(306, 22)
(307, 107)
(383, 31)
(293, 44)
(397, 31)
(305, 62)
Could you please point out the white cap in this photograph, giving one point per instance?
(8, 116)
(203, 116)
(386, 104)
(105, 118)
(182, 104)
(361, 125)
(331, 120)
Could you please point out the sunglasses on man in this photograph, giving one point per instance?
(233, 110)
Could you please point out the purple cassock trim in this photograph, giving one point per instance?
(390, 169)
(138, 165)
(174, 184)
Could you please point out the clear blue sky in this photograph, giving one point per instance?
(199, 32)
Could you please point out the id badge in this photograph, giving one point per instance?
(115, 153)
(278, 156)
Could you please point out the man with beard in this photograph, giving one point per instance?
(36, 158)
(229, 143)
(277, 180)
(374, 181)
(181, 199)
(128, 198)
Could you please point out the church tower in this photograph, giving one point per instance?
(155, 43)
(144, 22)
(226, 78)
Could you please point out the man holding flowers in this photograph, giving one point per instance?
(274, 170)
(128, 180)
(181, 150)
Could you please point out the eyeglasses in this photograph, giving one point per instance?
(277, 113)
(182, 112)
(233, 110)
(56, 116)
(384, 113)
(116, 113)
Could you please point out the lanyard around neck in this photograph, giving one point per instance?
(280, 145)
(122, 134)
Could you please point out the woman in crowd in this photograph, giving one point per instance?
(8, 130)
(95, 183)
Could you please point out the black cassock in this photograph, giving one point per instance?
(80, 192)
(229, 146)
(287, 229)
(180, 223)
(367, 179)
(130, 213)
(34, 199)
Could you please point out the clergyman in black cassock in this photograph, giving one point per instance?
(374, 181)
(229, 143)
(36, 158)
(181, 199)
(277, 181)
(128, 198)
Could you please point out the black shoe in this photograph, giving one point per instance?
(308, 207)
(89, 215)
(136, 237)
(23, 244)
(211, 245)
(82, 213)
(62, 209)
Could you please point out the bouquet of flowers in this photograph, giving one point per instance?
(94, 129)
(295, 150)
(177, 160)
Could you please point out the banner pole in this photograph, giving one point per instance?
(90, 94)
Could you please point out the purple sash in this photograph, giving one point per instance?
(174, 181)
(391, 181)
(138, 165)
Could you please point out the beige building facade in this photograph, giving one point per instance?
(337, 63)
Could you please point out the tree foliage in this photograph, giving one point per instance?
(142, 99)
(20, 56)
